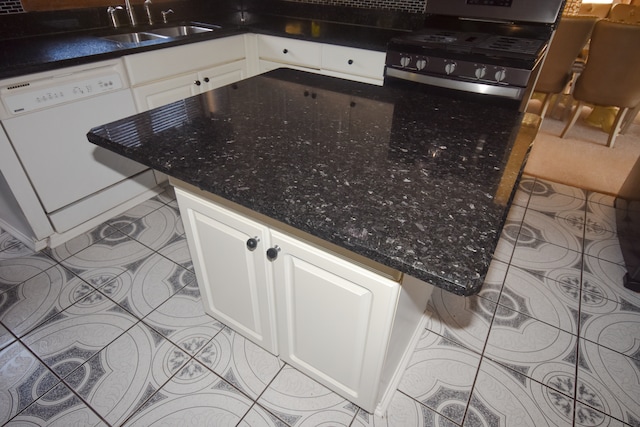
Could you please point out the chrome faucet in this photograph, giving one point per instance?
(147, 8)
(132, 15)
(111, 10)
(165, 13)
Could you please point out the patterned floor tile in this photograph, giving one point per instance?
(123, 222)
(403, 412)
(534, 349)
(5, 337)
(260, 417)
(603, 199)
(543, 258)
(601, 219)
(608, 382)
(611, 324)
(116, 252)
(195, 396)
(17, 270)
(158, 228)
(10, 247)
(556, 302)
(606, 278)
(168, 196)
(509, 235)
(550, 196)
(120, 378)
(502, 397)
(565, 229)
(300, 401)
(79, 243)
(239, 361)
(23, 379)
(440, 375)
(182, 320)
(30, 303)
(70, 338)
(494, 281)
(178, 251)
(60, 407)
(147, 283)
(464, 320)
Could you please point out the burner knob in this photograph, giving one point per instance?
(501, 75)
(421, 63)
(450, 67)
(481, 72)
(405, 61)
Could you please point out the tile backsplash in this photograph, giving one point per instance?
(10, 6)
(414, 6)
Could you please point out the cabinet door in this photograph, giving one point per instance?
(166, 91)
(352, 63)
(334, 318)
(234, 280)
(289, 51)
(222, 75)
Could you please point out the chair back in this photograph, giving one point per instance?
(601, 10)
(568, 41)
(610, 76)
(625, 13)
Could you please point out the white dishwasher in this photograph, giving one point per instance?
(46, 118)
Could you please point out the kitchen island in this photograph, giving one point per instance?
(320, 213)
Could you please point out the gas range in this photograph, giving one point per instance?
(475, 51)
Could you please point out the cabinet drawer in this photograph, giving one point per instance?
(289, 51)
(353, 61)
(159, 64)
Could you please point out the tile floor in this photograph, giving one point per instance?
(108, 329)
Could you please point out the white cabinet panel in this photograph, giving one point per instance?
(353, 61)
(334, 318)
(159, 64)
(234, 280)
(289, 51)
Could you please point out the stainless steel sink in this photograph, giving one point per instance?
(135, 38)
(182, 30)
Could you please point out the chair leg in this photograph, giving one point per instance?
(629, 119)
(574, 118)
(545, 104)
(617, 124)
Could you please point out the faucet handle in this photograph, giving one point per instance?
(147, 8)
(111, 10)
(165, 13)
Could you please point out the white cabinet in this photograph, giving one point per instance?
(338, 61)
(167, 75)
(347, 326)
(233, 275)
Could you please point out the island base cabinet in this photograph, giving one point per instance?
(233, 274)
(347, 327)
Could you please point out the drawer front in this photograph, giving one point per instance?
(348, 60)
(159, 64)
(289, 51)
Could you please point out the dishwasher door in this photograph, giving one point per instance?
(63, 166)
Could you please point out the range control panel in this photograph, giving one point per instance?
(31, 96)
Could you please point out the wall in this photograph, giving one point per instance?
(414, 6)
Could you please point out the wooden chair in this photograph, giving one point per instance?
(625, 13)
(610, 77)
(601, 10)
(558, 70)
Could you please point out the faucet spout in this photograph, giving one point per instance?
(131, 13)
(147, 8)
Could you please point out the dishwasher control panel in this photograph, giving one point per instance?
(31, 96)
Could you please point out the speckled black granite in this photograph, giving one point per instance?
(403, 177)
(26, 55)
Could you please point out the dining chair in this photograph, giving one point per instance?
(601, 10)
(558, 70)
(610, 76)
(625, 13)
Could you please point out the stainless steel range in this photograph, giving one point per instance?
(489, 47)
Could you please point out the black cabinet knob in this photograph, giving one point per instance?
(252, 244)
(350, 61)
(285, 51)
(272, 253)
(206, 79)
(197, 82)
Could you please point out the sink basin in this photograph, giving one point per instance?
(135, 38)
(182, 30)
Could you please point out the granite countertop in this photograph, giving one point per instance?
(413, 180)
(26, 55)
